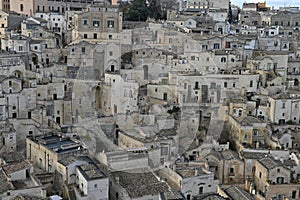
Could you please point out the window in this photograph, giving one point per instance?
(85, 36)
(83, 50)
(85, 22)
(110, 53)
(251, 83)
(95, 36)
(278, 170)
(240, 112)
(283, 105)
(260, 174)
(223, 59)
(95, 186)
(165, 96)
(196, 85)
(110, 24)
(216, 46)
(233, 85)
(255, 132)
(225, 84)
(246, 137)
(110, 37)
(96, 23)
(21, 7)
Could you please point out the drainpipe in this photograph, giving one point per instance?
(7, 101)
(48, 162)
(223, 169)
(45, 162)
(30, 151)
(18, 100)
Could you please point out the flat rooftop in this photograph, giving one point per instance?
(91, 171)
(59, 144)
(191, 172)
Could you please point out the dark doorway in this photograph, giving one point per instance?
(27, 173)
(57, 120)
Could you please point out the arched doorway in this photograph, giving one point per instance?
(34, 58)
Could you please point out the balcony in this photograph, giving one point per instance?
(231, 174)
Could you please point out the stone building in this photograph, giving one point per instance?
(45, 151)
(284, 108)
(227, 166)
(190, 179)
(269, 172)
(91, 183)
(97, 23)
(247, 131)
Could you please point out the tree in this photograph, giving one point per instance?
(155, 10)
(138, 11)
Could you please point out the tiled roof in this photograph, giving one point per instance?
(4, 184)
(140, 184)
(14, 167)
(237, 193)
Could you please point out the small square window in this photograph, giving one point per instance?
(110, 24)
